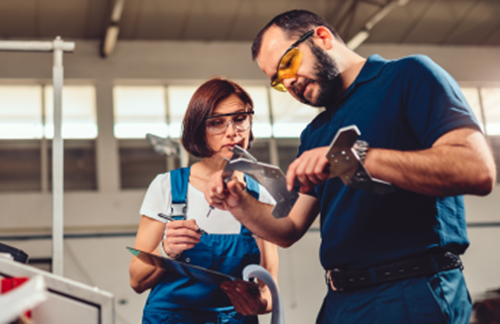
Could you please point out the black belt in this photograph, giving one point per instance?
(344, 280)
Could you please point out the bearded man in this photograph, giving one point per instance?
(390, 258)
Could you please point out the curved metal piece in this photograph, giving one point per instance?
(164, 146)
(347, 165)
(269, 176)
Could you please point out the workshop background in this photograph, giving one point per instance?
(136, 64)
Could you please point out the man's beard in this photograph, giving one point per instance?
(327, 77)
(329, 80)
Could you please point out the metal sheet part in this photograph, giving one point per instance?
(163, 146)
(346, 164)
(343, 160)
(269, 176)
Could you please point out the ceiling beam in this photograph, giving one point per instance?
(416, 21)
(459, 21)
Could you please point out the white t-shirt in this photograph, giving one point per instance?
(158, 200)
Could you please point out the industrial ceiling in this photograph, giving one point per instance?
(439, 22)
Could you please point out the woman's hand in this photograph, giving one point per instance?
(245, 297)
(180, 235)
(222, 195)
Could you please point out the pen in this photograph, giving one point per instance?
(171, 219)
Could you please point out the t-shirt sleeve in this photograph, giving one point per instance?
(156, 199)
(265, 196)
(434, 101)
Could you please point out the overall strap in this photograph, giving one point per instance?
(252, 189)
(252, 186)
(179, 180)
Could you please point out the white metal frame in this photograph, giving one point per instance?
(66, 297)
(57, 47)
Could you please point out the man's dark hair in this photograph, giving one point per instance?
(201, 106)
(294, 23)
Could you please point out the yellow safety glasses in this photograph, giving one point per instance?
(289, 63)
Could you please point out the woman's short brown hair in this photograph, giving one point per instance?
(201, 106)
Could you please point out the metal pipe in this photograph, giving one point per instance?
(34, 46)
(57, 161)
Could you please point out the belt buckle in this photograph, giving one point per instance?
(329, 280)
(457, 262)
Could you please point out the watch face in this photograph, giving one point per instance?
(361, 148)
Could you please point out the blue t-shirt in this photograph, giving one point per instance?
(405, 105)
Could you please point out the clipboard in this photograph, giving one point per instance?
(192, 271)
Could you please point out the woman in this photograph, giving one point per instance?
(218, 117)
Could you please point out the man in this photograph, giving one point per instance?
(389, 258)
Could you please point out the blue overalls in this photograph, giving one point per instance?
(180, 299)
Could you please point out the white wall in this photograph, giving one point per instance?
(104, 262)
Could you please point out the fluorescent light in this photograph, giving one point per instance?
(110, 39)
(358, 39)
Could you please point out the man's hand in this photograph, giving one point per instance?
(309, 169)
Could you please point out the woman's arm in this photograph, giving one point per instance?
(144, 276)
(181, 235)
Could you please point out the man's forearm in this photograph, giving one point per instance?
(444, 170)
(257, 217)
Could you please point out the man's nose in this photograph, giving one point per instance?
(289, 82)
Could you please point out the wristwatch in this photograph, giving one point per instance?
(361, 148)
(346, 156)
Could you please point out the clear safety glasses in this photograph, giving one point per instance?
(289, 63)
(217, 125)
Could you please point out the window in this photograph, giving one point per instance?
(78, 112)
(20, 165)
(472, 96)
(485, 102)
(26, 121)
(287, 151)
(491, 106)
(139, 110)
(79, 165)
(290, 117)
(260, 150)
(178, 101)
(139, 163)
(21, 111)
(261, 125)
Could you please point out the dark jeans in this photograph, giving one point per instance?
(441, 298)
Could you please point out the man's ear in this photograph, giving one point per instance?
(324, 38)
